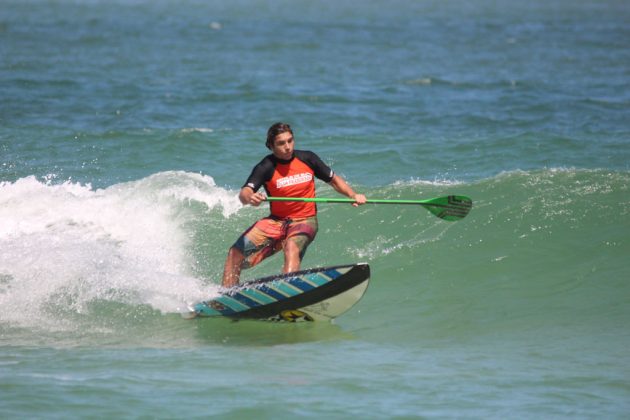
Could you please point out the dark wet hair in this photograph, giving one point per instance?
(276, 129)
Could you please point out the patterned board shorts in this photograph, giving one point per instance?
(267, 236)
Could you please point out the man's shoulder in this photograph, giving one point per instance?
(265, 166)
(261, 173)
(305, 155)
(267, 161)
(322, 171)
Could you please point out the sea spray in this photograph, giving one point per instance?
(65, 246)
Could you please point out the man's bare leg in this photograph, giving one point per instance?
(291, 257)
(232, 269)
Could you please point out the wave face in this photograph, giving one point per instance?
(541, 251)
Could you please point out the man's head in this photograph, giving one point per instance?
(280, 140)
(274, 130)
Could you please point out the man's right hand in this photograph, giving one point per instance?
(248, 196)
(256, 198)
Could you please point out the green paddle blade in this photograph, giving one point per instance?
(450, 208)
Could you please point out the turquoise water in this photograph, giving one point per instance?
(127, 128)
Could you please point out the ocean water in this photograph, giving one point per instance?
(127, 128)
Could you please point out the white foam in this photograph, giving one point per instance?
(197, 130)
(67, 245)
(439, 182)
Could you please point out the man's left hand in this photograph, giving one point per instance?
(359, 199)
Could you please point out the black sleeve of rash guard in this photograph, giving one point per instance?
(322, 171)
(261, 173)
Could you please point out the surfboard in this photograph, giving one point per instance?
(319, 294)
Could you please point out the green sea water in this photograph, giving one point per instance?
(127, 128)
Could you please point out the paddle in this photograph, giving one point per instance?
(449, 207)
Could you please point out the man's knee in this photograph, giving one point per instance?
(298, 244)
(291, 247)
(235, 255)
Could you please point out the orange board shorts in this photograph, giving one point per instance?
(268, 236)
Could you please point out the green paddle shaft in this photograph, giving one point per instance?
(450, 207)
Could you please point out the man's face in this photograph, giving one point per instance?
(283, 146)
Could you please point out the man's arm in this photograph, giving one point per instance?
(342, 187)
(260, 174)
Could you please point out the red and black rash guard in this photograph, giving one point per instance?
(290, 178)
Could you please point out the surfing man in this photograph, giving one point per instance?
(291, 226)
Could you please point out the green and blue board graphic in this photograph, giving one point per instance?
(318, 294)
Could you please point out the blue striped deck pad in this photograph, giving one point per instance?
(301, 284)
(253, 297)
(285, 289)
(231, 303)
(265, 294)
(258, 296)
(245, 300)
(332, 273)
(271, 292)
(318, 279)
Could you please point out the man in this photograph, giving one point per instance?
(292, 225)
